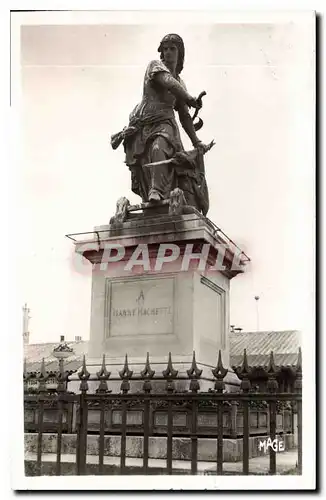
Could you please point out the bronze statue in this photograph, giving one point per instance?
(154, 151)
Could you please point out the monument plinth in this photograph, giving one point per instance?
(161, 269)
(159, 285)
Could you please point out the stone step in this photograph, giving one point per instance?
(157, 446)
(285, 462)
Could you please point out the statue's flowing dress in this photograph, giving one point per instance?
(156, 136)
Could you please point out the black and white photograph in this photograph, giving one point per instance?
(165, 249)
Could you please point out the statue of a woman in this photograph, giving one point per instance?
(153, 135)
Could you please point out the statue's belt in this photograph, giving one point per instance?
(135, 125)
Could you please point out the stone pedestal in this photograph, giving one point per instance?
(152, 293)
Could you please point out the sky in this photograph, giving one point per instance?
(78, 86)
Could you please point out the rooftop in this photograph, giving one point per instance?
(284, 344)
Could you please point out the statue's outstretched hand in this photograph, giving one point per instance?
(116, 139)
(203, 148)
(193, 102)
(196, 102)
(129, 131)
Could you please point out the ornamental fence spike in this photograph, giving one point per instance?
(42, 378)
(147, 372)
(244, 373)
(194, 372)
(103, 375)
(298, 373)
(170, 374)
(84, 376)
(125, 373)
(219, 373)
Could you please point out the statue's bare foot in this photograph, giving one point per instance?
(154, 196)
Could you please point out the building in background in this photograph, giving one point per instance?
(284, 344)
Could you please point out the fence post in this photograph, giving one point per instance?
(233, 426)
(244, 373)
(298, 388)
(194, 373)
(219, 373)
(83, 414)
(272, 387)
(169, 374)
(125, 374)
(103, 376)
(26, 377)
(61, 388)
(73, 428)
(147, 374)
(82, 435)
(42, 391)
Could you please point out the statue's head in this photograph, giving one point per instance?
(172, 50)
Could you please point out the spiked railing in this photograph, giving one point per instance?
(245, 386)
(62, 379)
(194, 373)
(244, 373)
(26, 375)
(42, 378)
(83, 377)
(147, 374)
(170, 374)
(272, 372)
(103, 376)
(298, 373)
(272, 386)
(219, 373)
(212, 413)
(298, 388)
(125, 374)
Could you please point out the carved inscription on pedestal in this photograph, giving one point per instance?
(140, 306)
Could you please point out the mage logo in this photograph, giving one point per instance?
(276, 445)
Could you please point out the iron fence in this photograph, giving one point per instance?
(190, 415)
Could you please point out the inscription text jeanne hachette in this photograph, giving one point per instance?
(141, 311)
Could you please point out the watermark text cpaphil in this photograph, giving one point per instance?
(182, 257)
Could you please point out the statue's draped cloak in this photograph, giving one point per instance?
(154, 123)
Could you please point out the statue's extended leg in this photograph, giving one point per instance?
(161, 175)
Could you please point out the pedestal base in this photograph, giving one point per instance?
(159, 285)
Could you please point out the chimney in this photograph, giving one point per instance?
(62, 338)
(232, 328)
(26, 319)
(78, 338)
